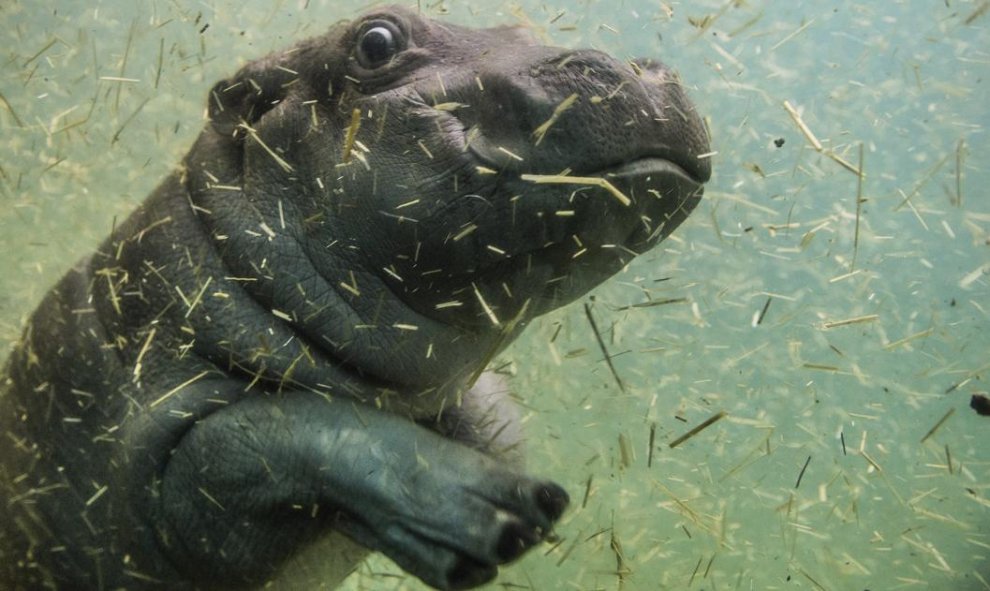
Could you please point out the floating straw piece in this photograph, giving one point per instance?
(707, 423)
(817, 145)
(540, 132)
(848, 321)
(352, 130)
(560, 179)
(940, 422)
(601, 344)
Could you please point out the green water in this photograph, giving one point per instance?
(100, 101)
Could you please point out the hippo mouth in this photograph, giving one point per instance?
(660, 190)
(654, 161)
(648, 167)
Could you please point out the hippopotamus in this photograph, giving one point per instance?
(279, 358)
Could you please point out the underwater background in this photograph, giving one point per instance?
(836, 324)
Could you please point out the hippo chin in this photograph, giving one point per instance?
(279, 350)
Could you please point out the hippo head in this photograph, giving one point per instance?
(432, 182)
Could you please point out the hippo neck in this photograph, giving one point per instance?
(315, 289)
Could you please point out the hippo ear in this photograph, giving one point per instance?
(254, 91)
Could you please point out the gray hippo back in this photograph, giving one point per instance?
(282, 345)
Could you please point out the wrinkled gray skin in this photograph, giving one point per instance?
(275, 344)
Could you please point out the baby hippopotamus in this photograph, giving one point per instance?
(277, 361)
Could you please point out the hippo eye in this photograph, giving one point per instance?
(379, 43)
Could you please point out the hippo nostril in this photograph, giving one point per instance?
(515, 539)
(552, 499)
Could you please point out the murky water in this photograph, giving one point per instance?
(834, 320)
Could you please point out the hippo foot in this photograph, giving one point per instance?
(445, 512)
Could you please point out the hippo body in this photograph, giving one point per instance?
(277, 356)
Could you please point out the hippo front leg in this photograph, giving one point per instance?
(251, 483)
